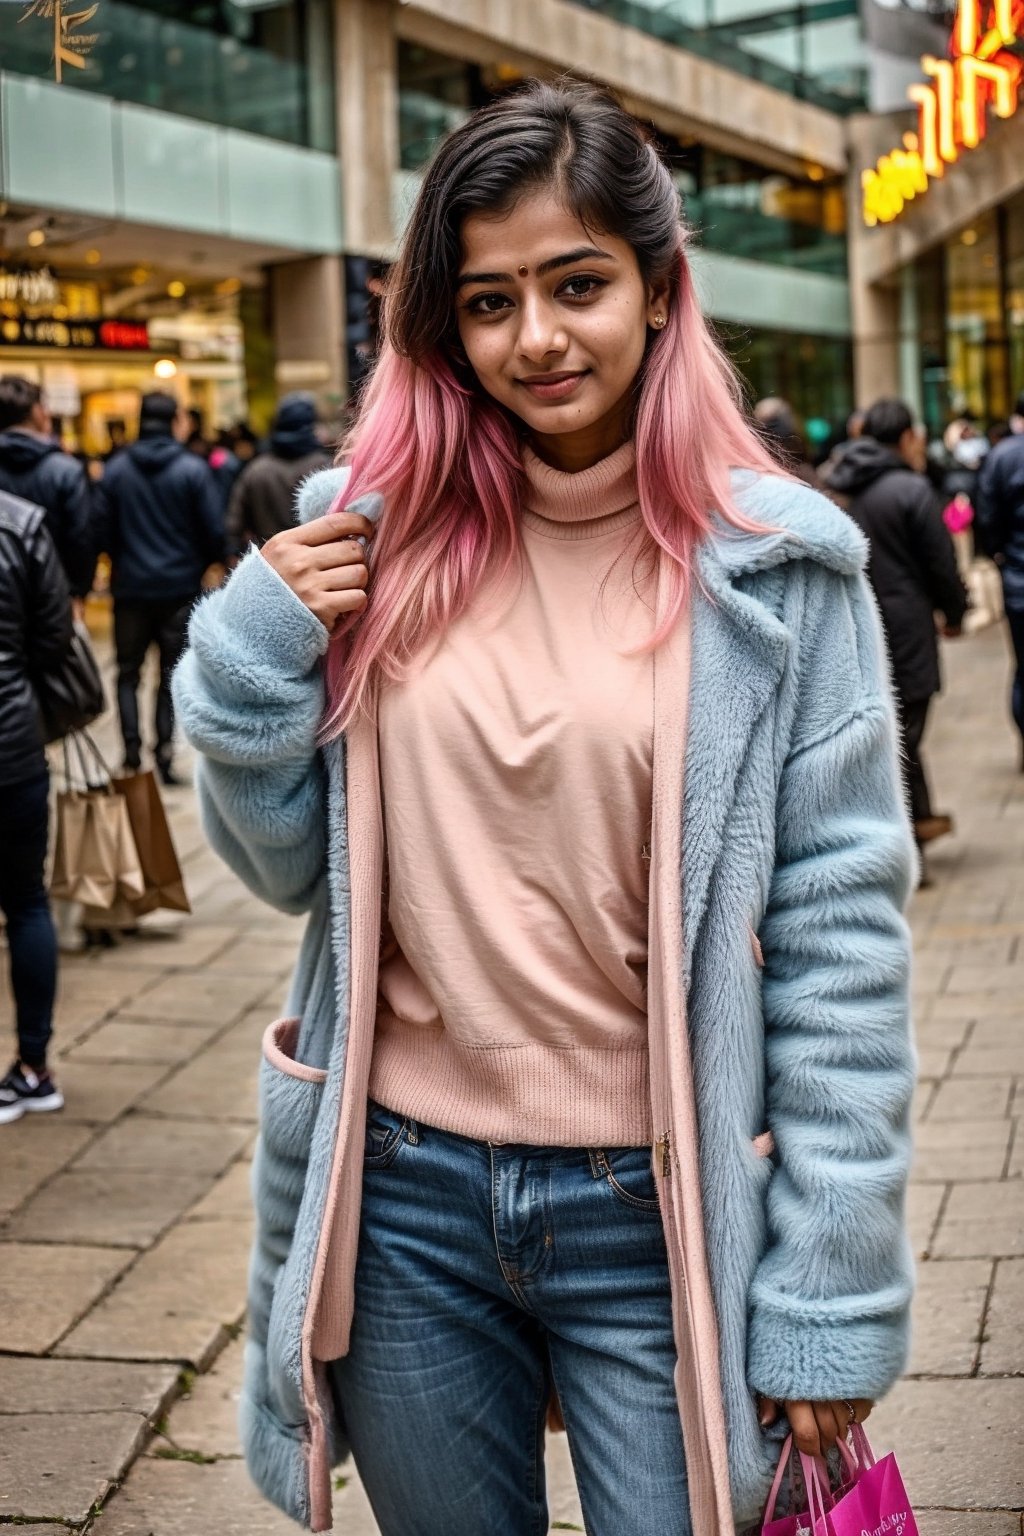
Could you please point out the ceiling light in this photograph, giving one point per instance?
(969, 237)
(165, 368)
(176, 289)
(138, 275)
(93, 258)
(229, 285)
(37, 237)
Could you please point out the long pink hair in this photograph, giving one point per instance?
(446, 459)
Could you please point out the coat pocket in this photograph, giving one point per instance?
(290, 1098)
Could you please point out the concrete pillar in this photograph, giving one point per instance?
(911, 389)
(308, 318)
(874, 312)
(366, 76)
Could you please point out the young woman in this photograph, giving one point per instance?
(600, 718)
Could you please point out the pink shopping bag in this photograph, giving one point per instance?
(877, 1503)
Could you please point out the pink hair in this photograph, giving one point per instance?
(445, 458)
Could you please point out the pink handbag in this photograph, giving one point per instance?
(872, 1501)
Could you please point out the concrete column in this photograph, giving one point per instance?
(366, 75)
(308, 322)
(910, 343)
(874, 312)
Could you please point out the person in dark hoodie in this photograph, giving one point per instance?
(1001, 535)
(263, 498)
(33, 465)
(160, 519)
(912, 568)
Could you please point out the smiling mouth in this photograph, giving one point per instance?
(553, 386)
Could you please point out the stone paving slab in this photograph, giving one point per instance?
(98, 1094)
(44, 1288)
(924, 1201)
(1003, 1351)
(229, 1199)
(53, 1386)
(197, 1000)
(982, 1219)
(131, 1040)
(955, 1441)
(140, 1206)
(220, 1083)
(179, 1302)
(178, 1498)
(58, 1466)
(960, 1149)
(957, 1522)
(34, 1149)
(971, 1098)
(144, 1142)
(946, 1322)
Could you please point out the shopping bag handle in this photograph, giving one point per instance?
(82, 739)
(850, 1461)
(862, 1446)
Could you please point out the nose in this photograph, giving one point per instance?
(541, 332)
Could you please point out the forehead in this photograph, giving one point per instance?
(535, 229)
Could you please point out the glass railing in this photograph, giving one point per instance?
(813, 51)
(745, 228)
(244, 68)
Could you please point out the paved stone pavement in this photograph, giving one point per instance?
(124, 1222)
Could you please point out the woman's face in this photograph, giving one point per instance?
(554, 321)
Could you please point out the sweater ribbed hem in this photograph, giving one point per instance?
(529, 1095)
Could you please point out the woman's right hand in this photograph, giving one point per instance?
(324, 564)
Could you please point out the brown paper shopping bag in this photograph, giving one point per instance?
(164, 885)
(95, 861)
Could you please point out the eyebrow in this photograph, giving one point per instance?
(582, 253)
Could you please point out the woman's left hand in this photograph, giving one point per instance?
(817, 1426)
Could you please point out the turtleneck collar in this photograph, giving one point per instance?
(585, 504)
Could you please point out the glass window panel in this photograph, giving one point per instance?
(260, 67)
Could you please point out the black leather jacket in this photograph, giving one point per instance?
(35, 631)
(43, 473)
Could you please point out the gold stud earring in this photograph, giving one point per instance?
(659, 321)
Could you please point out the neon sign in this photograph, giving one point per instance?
(952, 109)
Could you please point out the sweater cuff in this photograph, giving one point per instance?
(791, 1358)
(262, 613)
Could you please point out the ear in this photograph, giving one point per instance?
(658, 304)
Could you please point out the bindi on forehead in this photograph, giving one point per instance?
(524, 270)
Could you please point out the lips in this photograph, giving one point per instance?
(553, 386)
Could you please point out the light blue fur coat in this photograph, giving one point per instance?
(793, 827)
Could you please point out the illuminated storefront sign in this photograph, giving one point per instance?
(952, 108)
(75, 335)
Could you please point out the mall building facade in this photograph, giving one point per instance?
(210, 192)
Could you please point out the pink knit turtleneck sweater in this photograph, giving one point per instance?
(516, 779)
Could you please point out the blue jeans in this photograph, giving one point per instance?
(31, 940)
(485, 1273)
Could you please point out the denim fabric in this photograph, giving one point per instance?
(485, 1272)
(31, 940)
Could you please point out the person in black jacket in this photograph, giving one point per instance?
(912, 568)
(34, 466)
(1000, 528)
(161, 520)
(263, 498)
(35, 632)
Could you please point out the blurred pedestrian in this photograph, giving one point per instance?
(263, 500)
(1000, 523)
(912, 567)
(161, 522)
(33, 465)
(777, 421)
(35, 631)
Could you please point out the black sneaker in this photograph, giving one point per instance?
(24, 1092)
(167, 774)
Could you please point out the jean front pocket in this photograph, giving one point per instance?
(386, 1133)
(628, 1173)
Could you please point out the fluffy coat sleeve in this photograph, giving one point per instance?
(829, 1311)
(249, 696)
